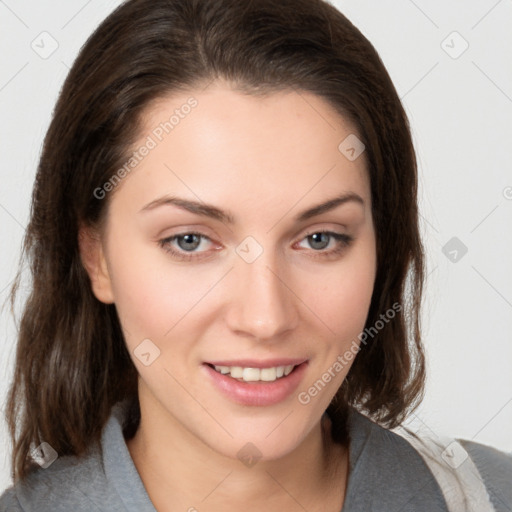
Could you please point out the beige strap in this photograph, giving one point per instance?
(456, 473)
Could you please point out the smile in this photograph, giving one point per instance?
(255, 374)
(246, 384)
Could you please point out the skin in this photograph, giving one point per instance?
(264, 160)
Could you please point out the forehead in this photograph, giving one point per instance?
(235, 145)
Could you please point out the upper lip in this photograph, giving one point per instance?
(259, 363)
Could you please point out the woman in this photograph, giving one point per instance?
(223, 222)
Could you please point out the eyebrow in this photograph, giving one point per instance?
(208, 210)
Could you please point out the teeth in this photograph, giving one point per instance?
(255, 374)
(237, 372)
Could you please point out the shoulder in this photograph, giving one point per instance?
(9, 502)
(386, 472)
(495, 468)
(67, 482)
(427, 471)
(104, 478)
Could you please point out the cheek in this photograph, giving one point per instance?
(340, 310)
(155, 296)
(151, 294)
(343, 298)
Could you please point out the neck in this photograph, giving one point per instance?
(180, 472)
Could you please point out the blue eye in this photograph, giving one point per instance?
(190, 241)
(319, 241)
(183, 246)
(187, 242)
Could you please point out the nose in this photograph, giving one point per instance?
(262, 303)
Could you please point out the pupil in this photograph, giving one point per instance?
(317, 239)
(191, 240)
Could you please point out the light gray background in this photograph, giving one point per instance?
(460, 111)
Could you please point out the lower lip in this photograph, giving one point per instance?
(257, 393)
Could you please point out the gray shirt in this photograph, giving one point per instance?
(385, 474)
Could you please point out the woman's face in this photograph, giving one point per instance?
(213, 255)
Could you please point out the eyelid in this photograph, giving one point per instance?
(343, 240)
(164, 242)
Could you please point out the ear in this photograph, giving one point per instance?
(94, 262)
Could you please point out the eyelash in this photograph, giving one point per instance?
(343, 241)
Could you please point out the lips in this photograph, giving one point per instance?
(251, 370)
(258, 363)
(256, 392)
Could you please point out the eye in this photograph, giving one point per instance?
(321, 240)
(183, 246)
(186, 243)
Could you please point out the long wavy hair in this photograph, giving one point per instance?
(71, 363)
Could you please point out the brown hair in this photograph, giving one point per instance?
(72, 364)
